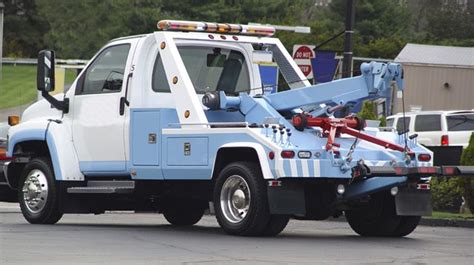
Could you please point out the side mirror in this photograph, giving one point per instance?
(45, 80)
(45, 72)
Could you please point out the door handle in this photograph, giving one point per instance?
(123, 100)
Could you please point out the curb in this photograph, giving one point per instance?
(428, 222)
(447, 222)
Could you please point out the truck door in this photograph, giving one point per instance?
(97, 126)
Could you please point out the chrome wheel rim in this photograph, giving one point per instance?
(235, 199)
(35, 191)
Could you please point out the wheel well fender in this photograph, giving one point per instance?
(245, 151)
(24, 151)
(53, 141)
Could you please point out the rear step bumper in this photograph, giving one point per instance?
(361, 171)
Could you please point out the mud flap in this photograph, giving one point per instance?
(413, 202)
(289, 199)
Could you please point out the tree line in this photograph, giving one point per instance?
(78, 28)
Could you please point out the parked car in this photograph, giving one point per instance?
(446, 133)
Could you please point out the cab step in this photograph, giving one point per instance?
(105, 187)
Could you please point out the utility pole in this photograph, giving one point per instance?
(348, 42)
(2, 6)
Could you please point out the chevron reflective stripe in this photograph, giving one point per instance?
(280, 169)
(317, 168)
(293, 168)
(298, 168)
(304, 166)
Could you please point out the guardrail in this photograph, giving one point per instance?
(61, 63)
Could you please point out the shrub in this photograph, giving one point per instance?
(368, 113)
(466, 184)
(446, 194)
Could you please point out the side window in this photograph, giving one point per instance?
(210, 69)
(105, 74)
(390, 122)
(400, 122)
(463, 122)
(428, 123)
(159, 82)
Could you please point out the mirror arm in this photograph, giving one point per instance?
(62, 105)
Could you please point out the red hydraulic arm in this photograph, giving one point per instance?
(333, 127)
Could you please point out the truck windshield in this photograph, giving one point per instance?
(463, 122)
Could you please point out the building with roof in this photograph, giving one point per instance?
(436, 78)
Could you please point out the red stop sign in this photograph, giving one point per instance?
(306, 69)
(303, 52)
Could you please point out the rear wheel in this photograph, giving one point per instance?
(184, 212)
(377, 218)
(407, 225)
(276, 225)
(240, 201)
(37, 193)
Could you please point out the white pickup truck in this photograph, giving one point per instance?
(173, 120)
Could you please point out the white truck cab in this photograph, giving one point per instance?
(204, 112)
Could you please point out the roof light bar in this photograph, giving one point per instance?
(179, 25)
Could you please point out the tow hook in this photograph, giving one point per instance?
(359, 171)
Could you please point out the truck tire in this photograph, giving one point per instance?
(240, 200)
(276, 225)
(184, 212)
(378, 218)
(407, 225)
(37, 193)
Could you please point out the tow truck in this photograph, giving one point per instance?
(179, 121)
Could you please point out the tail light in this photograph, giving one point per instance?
(271, 155)
(424, 157)
(287, 154)
(444, 140)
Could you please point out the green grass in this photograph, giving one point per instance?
(452, 216)
(18, 85)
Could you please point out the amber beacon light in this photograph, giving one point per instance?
(179, 25)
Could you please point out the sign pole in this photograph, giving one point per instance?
(1, 39)
(348, 42)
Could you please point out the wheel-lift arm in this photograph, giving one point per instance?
(333, 127)
(374, 82)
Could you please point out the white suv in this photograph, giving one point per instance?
(446, 133)
(437, 128)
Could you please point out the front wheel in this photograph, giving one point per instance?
(37, 193)
(240, 200)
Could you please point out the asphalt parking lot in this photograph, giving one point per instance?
(125, 238)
